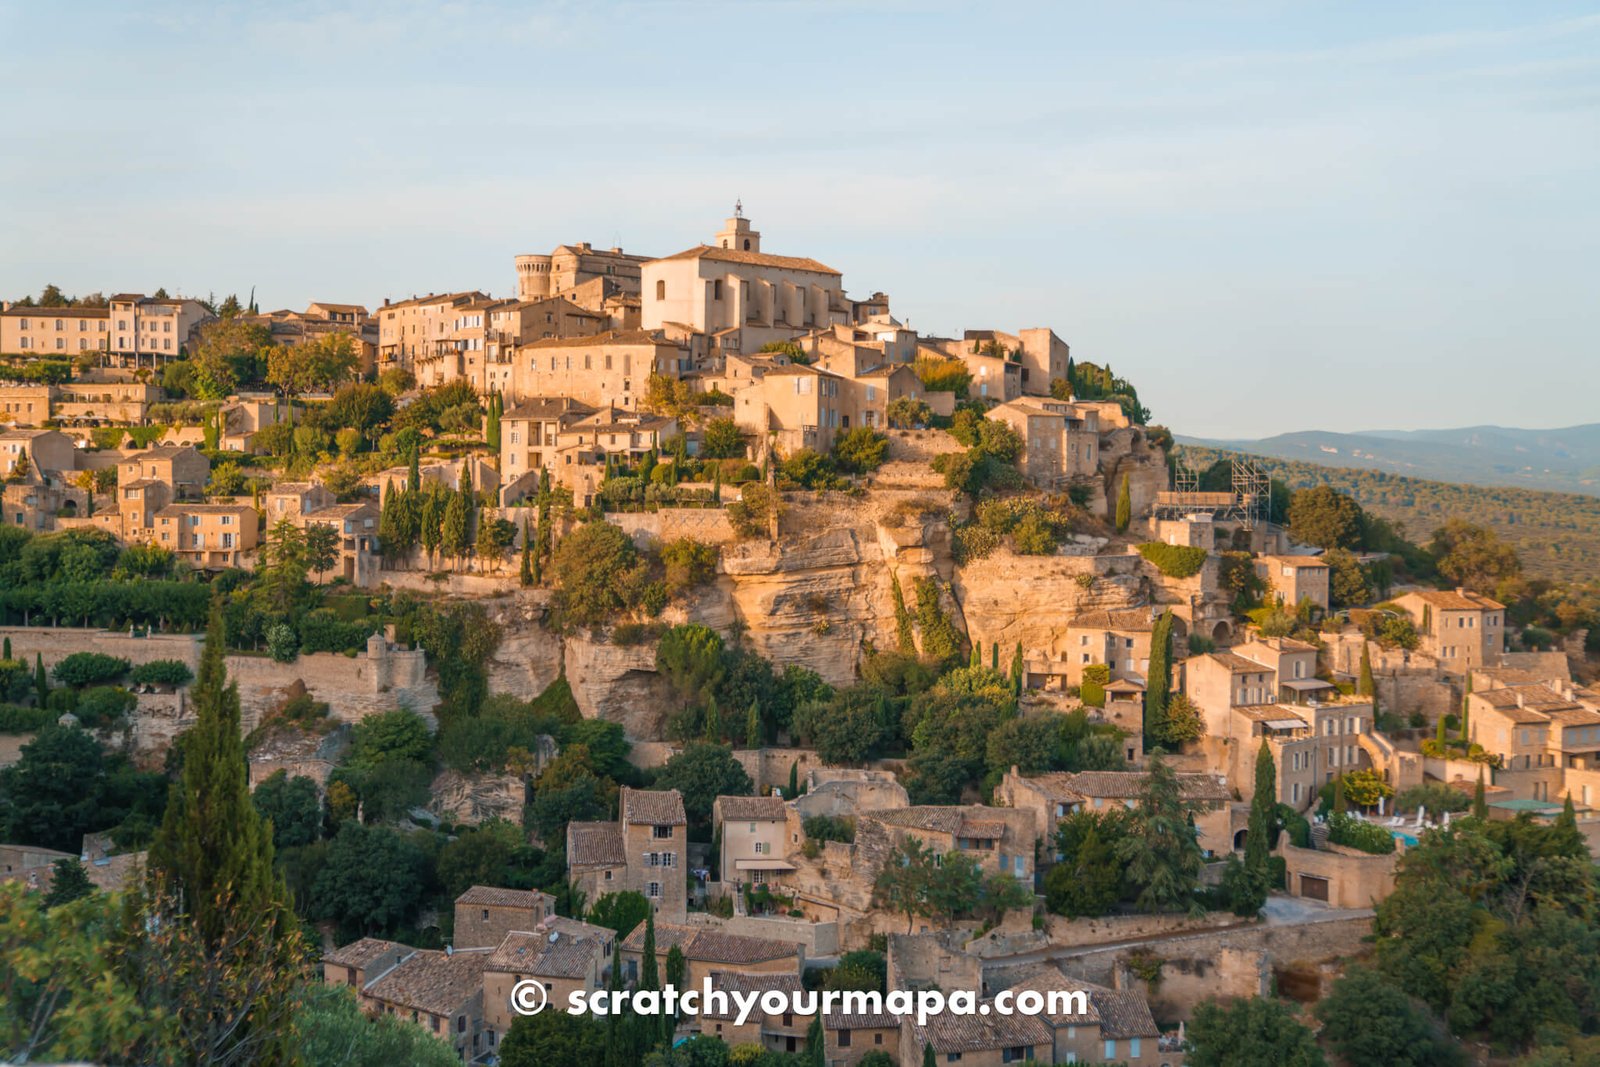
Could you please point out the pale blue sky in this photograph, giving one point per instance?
(1271, 216)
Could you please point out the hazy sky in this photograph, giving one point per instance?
(1270, 216)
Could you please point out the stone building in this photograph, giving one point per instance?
(58, 333)
(208, 536)
(570, 267)
(1462, 629)
(754, 837)
(1295, 578)
(486, 914)
(740, 295)
(36, 450)
(563, 955)
(645, 850)
(156, 327)
(409, 329)
(611, 368)
(999, 840)
(1049, 798)
(1060, 439)
(781, 1031)
(182, 468)
(706, 949)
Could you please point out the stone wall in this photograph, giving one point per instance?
(814, 939)
(381, 679)
(1354, 879)
(707, 525)
(768, 768)
(1190, 969)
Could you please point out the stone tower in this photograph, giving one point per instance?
(533, 277)
(737, 234)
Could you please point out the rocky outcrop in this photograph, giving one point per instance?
(476, 798)
(618, 684)
(1009, 598)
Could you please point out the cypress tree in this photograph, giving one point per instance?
(752, 725)
(976, 659)
(677, 971)
(716, 484)
(1466, 696)
(1124, 506)
(1480, 804)
(491, 432)
(1340, 804)
(794, 779)
(1438, 734)
(527, 553)
(210, 872)
(1017, 670)
(414, 471)
(41, 685)
(649, 979)
(928, 1058)
(453, 527)
(615, 1039)
(1258, 841)
(816, 1056)
(994, 656)
(1364, 684)
(713, 722)
(902, 619)
(647, 465)
(7, 653)
(1158, 688)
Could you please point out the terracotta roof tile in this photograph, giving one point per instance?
(654, 807)
(710, 945)
(359, 953)
(752, 809)
(594, 844)
(976, 1033)
(754, 259)
(498, 897)
(432, 981)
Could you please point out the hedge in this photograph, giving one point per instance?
(15, 719)
(1356, 833)
(90, 668)
(162, 672)
(1174, 561)
(114, 605)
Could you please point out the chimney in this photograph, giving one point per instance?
(1519, 697)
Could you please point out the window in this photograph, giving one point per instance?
(1111, 1049)
(660, 832)
(844, 1035)
(716, 289)
(652, 890)
(661, 289)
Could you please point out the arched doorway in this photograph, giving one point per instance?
(1222, 632)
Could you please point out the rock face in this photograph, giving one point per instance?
(824, 590)
(476, 798)
(529, 656)
(619, 684)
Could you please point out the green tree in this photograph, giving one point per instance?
(372, 883)
(331, 1030)
(69, 881)
(1163, 856)
(1251, 1032)
(321, 548)
(1260, 836)
(844, 730)
(1325, 517)
(1367, 1020)
(211, 878)
(860, 450)
(292, 807)
(491, 431)
(453, 527)
(387, 736)
(1086, 882)
(721, 439)
(621, 912)
(226, 353)
(553, 1039)
(1473, 556)
(1160, 680)
(701, 773)
(1124, 506)
(1364, 683)
(52, 795)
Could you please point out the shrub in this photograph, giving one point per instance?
(688, 563)
(861, 450)
(103, 705)
(748, 514)
(830, 828)
(173, 672)
(90, 668)
(1347, 830)
(810, 469)
(19, 720)
(721, 439)
(1174, 561)
(282, 644)
(943, 375)
(1096, 676)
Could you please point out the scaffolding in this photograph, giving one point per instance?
(1248, 503)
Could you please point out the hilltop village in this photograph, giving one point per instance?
(687, 618)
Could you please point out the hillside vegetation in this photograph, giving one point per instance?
(1557, 535)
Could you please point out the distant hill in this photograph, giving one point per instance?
(1556, 534)
(1566, 460)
